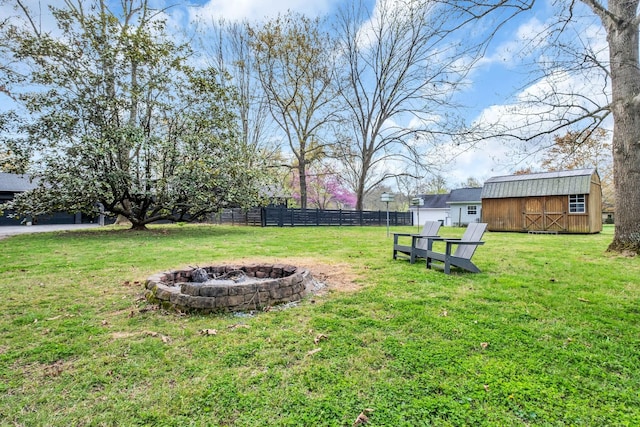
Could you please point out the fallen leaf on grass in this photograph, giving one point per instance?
(484, 345)
(53, 370)
(238, 325)
(486, 388)
(319, 338)
(583, 300)
(362, 418)
(129, 283)
(122, 335)
(165, 339)
(209, 332)
(314, 351)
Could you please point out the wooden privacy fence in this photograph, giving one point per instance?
(238, 216)
(285, 217)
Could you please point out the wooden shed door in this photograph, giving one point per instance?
(555, 216)
(533, 215)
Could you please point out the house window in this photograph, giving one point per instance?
(576, 203)
(472, 210)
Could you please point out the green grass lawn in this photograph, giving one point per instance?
(547, 335)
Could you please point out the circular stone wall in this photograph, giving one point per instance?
(262, 285)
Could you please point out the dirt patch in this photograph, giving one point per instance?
(338, 277)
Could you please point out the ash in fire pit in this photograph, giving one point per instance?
(229, 288)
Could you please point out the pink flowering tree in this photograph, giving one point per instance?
(324, 190)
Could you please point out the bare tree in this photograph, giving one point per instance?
(620, 20)
(228, 45)
(583, 83)
(434, 185)
(574, 150)
(403, 62)
(295, 64)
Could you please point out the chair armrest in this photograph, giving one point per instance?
(402, 234)
(462, 242)
(431, 239)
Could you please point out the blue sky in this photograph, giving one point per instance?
(499, 78)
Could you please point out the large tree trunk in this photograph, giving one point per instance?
(625, 79)
(302, 176)
(360, 193)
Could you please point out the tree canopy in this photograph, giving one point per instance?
(120, 118)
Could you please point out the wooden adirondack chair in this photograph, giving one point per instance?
(430, 229)
(466, 246)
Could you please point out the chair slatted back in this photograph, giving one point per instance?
(431, 228)
(473, 233)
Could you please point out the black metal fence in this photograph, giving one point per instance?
(285, 217)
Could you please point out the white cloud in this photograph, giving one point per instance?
(533, 111)
(492, 158)
(257, 10)
(527, 38)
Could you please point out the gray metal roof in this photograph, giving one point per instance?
(539, 184)
(12, 183)
(466, 195)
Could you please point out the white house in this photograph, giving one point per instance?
(434, 208)
(465, 206)
(460, 207)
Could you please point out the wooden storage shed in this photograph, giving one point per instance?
(555, 202)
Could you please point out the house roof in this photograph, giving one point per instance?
(539, 184)
(12, 183)
(465, 195)
(459, 195)
(434, 201)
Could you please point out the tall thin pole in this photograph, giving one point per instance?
(387, 219)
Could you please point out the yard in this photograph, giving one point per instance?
(547, 334)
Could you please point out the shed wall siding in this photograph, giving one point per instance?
(539, 214)
(503, 214)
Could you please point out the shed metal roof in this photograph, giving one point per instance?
(539, 184)
(12, 183)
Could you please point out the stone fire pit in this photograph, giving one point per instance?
(229, 287)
